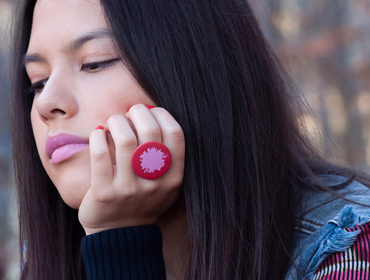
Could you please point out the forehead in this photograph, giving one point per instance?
(56, 22)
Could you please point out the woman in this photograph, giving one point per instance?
(241, 172)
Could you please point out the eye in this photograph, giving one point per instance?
(97, 66)
(36, 87)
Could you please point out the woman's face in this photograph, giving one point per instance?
(79, 82)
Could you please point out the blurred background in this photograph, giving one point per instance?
(8, 215)
(324, 45)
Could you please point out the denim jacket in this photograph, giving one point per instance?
(320, 226)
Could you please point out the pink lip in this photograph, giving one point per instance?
(63, 146)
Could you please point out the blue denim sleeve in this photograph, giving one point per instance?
(317, 237)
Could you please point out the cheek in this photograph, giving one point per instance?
(107, 95)
(39, 130)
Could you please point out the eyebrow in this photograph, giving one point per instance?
(73, 46)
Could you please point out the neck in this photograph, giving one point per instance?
(174, 230)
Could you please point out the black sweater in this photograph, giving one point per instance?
(125, 253)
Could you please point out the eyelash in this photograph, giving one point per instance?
(99, 65)
(90, 67)
(36, 87)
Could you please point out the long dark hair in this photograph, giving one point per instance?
(208, 64)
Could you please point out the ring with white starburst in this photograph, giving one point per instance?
(151, 160)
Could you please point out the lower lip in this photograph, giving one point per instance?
(67, 151)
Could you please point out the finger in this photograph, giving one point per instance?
(173, 137)
(145, 124)
(125, 143)
(101, 165)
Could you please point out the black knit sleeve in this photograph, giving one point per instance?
(125, 253)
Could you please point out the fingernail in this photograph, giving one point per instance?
(148, 106)
(99, 127)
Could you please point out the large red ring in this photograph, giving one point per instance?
(151, 160)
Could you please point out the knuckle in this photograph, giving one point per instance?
(152, 190)
(176, 133)
(126, 142)
(104, 197)
(99, 156)
(151, 132)
(129, 193)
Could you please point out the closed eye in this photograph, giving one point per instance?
(90, 67)
(36, 87)
(98, 66)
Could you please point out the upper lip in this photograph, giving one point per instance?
(54, 142)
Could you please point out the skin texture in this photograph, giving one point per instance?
(77, 97)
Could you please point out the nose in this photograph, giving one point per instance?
(56, 101)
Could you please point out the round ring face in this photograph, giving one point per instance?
(151, 160)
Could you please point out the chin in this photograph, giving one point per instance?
(73, 191)
(73, 201)
(72, 181)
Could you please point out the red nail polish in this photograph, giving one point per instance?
(99, 127)
(148, 106)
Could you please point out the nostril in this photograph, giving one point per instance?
(58, 111)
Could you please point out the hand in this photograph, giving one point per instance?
(118, 197)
